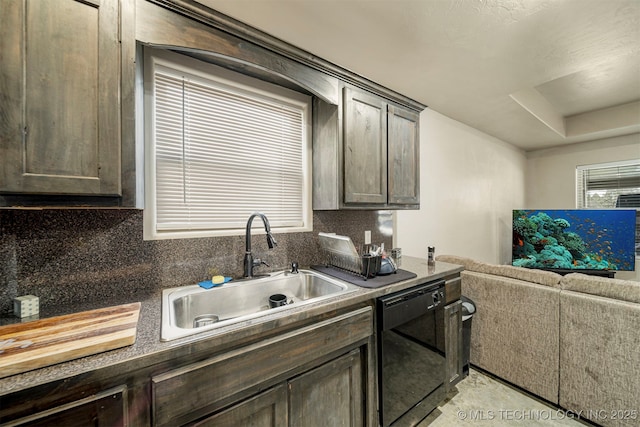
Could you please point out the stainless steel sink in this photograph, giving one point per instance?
(189, 310)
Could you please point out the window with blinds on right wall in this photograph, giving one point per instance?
(610, 185)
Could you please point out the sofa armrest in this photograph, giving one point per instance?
(514, 332)
(600, 357)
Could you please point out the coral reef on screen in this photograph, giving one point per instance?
(569, 240)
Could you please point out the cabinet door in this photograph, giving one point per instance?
(453, 342)
(404, 156)
(365, 148)
(59, 79)
(330, 395)
(268, 409)
(108, 409)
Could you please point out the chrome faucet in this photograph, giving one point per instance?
(249, 262)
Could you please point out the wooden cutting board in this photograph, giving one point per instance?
(32, 345)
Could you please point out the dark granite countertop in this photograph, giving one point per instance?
(148, 349)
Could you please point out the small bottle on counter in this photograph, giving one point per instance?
(431, 255)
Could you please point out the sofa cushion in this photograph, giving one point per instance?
(540, 277)
(624, 290)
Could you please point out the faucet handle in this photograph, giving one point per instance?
(258, 262)
(294, 267)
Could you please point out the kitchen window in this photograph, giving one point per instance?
(610, 185)
(219, 146)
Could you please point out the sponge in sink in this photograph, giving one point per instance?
(208, 284)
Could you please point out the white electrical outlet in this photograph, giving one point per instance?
(26, 305)
(367, 237)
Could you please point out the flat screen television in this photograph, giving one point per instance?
(575, 239)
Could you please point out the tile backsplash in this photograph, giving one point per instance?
(80, 256)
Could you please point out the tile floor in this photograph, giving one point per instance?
(482, 401)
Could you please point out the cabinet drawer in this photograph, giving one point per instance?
(108, 408)
(190, 392)
(452, 289)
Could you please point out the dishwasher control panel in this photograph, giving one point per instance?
(437, 296)
(407, 304)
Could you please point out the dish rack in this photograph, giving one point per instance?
(340, 253)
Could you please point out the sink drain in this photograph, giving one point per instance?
(204, 320)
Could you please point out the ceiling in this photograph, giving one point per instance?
(534, 73)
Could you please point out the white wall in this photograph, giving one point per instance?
(550, 177)
(551, 173)
(469, 184)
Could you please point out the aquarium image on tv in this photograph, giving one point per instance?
(587, 239)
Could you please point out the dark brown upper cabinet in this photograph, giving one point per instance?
(60, 109)
(366, 154)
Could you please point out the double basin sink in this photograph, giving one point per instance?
(190, 310)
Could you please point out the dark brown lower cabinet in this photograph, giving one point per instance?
(106, 409)
(330, 395)
(268, 409)
(317, 374)
(322, 365)
(453, 340)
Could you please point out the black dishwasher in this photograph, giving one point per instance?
(411, 358)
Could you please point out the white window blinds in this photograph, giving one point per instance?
(224, 151)
(599, 186)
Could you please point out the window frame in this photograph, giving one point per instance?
(154, 58)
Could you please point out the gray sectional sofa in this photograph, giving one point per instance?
(573, 340)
